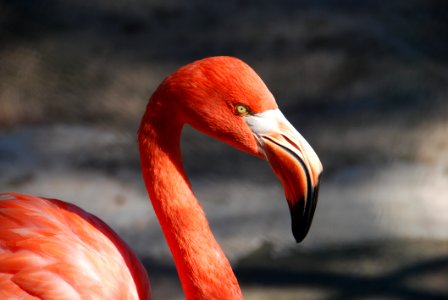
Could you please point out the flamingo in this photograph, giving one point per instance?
(50, 249)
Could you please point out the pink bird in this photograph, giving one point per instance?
(50, 249)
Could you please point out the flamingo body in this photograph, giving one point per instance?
(50, 249)
(53, 250)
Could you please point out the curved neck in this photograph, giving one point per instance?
(204, 271)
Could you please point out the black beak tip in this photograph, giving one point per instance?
(299, 239)
(302, 213)
(300, 231)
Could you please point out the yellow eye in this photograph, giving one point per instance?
(241, 110)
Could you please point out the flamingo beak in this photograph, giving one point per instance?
(293, 161)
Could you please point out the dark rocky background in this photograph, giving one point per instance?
(366, 82)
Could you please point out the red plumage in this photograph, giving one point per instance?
(50, 249)
(54, 250)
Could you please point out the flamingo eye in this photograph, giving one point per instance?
(241, 110)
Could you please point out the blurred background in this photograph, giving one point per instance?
(366, 82)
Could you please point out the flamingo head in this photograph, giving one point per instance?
(224, 98)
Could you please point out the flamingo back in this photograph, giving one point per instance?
(50, 249)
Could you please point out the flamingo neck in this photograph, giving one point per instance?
(204, 271)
